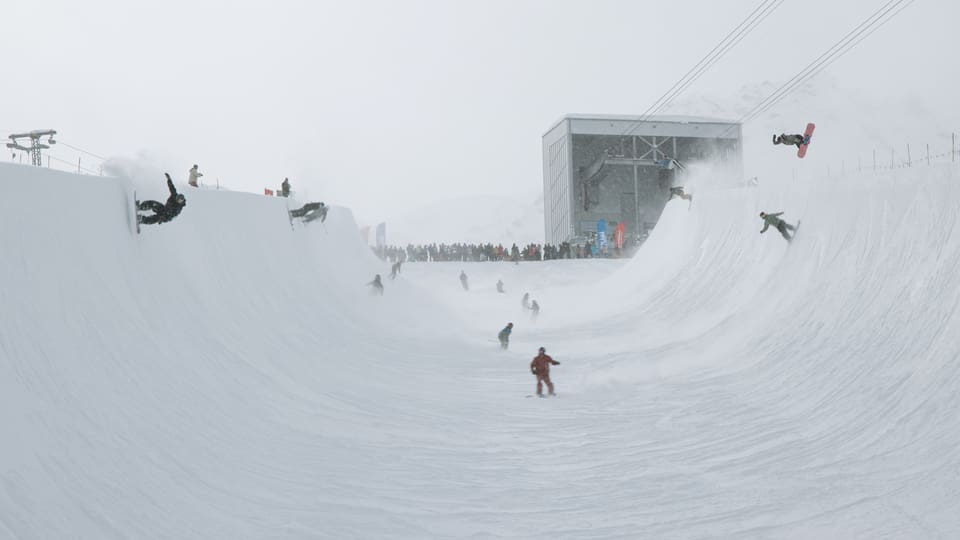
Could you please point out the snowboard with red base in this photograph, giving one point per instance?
(802, 151)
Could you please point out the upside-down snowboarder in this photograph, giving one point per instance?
(162, 213)
(781, 225)
(540, 367)
(504, 336)
(783, 138)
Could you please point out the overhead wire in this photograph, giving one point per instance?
(735, 36)
(837, 50)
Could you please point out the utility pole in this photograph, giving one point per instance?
(35, 142)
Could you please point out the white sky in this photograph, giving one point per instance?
(387, 106)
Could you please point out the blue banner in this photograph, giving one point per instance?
(602, 234)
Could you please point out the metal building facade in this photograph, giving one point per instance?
(620, 168)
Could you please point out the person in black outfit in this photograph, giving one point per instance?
(311, 211)
(377, 285)
(162, 212)
(285, 188)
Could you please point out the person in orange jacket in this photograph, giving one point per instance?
(540, 367)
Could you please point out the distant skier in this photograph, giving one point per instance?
(195, 175)
(285, 188)
(311, 211)
(796, 139)
(162, 212)
(781, 225)
(525, 301)
(534, 309)
(500, 286)
(540, 367)
(395, 269)
(377, 285)
(463, 281)
(504, 336)
(678, 192)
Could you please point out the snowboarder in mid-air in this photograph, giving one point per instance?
(162, 213)
(310, 212)
(678, 192)
(463, 281)
(500, 286)
(781, 225)
(783, 138)
(377, 285)
(504, 336)
(540, 367)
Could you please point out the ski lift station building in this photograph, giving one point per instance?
(620, 168)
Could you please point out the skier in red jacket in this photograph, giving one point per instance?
(540, 367)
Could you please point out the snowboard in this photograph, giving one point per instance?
(802, 151)
(795, 231)
(136, 211)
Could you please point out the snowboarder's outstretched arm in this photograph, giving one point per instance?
(554, 362)
(173, 189)
(776, 215)
(766, 225)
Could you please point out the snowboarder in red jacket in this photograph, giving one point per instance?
(540, 367)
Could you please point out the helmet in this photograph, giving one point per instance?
(542, 350)
(181, 200)
(763, 214)
(510, 324)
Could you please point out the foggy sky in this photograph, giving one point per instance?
(385, 106)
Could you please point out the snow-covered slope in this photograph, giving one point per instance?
(222, 376)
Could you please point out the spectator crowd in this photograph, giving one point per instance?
(463, 252)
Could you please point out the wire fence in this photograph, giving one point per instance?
(907, 156)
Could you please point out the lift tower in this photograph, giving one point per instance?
(35, 143)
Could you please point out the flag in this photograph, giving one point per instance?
(619, 234)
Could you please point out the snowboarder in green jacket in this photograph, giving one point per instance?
(781, 225)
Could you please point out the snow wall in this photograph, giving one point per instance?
(224, 376)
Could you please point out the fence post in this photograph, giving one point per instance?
(891, 158)
(874, 160)
(78, 165)
(928, 154)
(909, 160)
(953, 144)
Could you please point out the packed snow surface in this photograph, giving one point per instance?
(224, 376)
